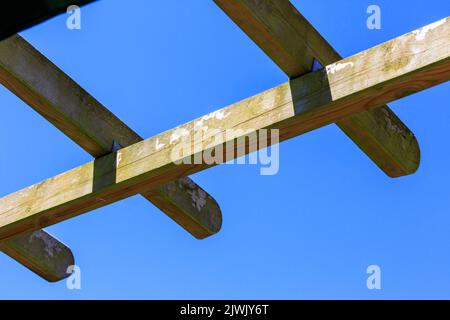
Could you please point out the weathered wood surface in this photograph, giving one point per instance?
(293, 43)
(41, 253)
(403, 66)
(19, 15)
(59, 99)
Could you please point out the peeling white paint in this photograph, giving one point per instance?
(218, 115)
(159, 145)
(268, 100)
(391, 123)
(51, 244)
(178, 134)
(200, 124)
(188, 182)
(198, 198)
(393, 126)
(422, 32)
(338, 66)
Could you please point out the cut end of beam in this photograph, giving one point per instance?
(288, 38)
(194, 209)
(88, 123)
(399, 153)
(40, 253)
(369, 79)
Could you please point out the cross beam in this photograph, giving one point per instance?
(38, 251)
(293, 43)
(19, 14)
(41, 253)
(29, 74)
(398, 68)
(60, 100)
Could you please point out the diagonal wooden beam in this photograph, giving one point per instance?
(59, 99)
(20, 15)
(293, 43)
(41, 253)
(403, 66)
(38, 251)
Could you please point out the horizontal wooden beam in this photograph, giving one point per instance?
(18, 15)
(41, 253)
(405, 65)
(293, 44)
(60, 100)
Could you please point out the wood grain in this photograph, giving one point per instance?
(41, 253)
(60, 100)
(405, 65)
(293, 43)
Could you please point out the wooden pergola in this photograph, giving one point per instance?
(350, 92)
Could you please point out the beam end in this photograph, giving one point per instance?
(41, 253)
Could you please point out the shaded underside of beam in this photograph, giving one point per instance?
(293, 44)
(59, 99)
(398, 68)
(41, 253)
(38, 251)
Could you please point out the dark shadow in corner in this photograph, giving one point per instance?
(105, 172)
(310, 92)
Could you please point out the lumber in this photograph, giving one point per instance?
(284, 34)
(41, 253)
(398, 68)
(38, 251)
(59, 99)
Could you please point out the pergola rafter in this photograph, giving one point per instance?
(61, 101)
(348, 92)
(38, 251)
(49, 91)
(405, 65)
(293, 44)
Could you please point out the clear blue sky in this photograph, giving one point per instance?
(308, 232)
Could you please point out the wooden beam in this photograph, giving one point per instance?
(59, 99)
(38, 251)
(403, 66)
(19, 15)
(41, 253)
(293, 43)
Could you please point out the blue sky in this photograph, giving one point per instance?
(309, 232)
